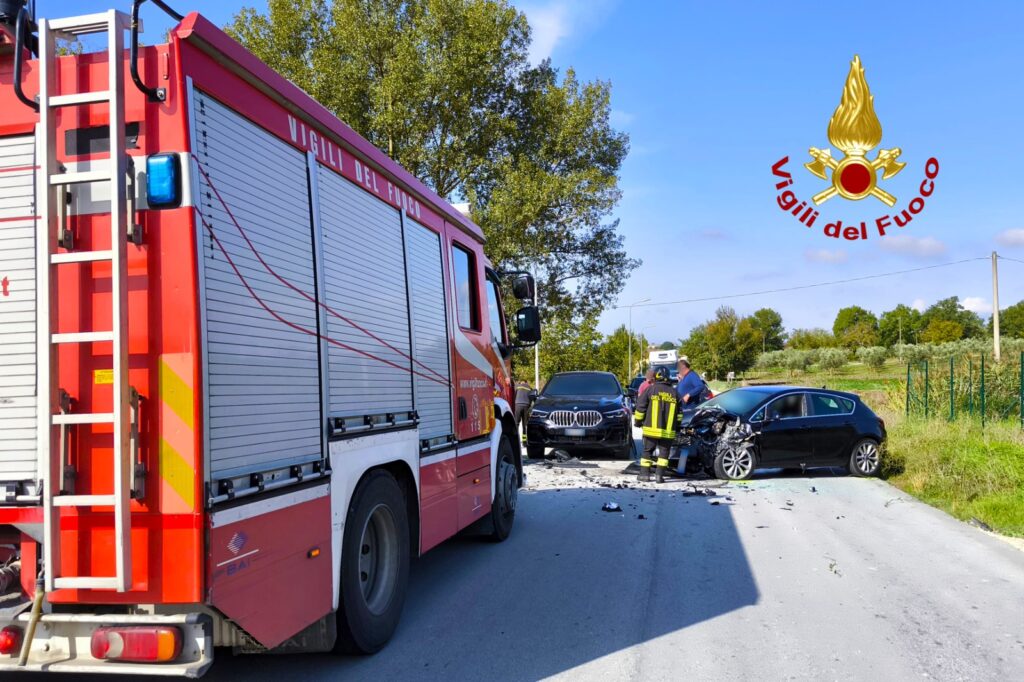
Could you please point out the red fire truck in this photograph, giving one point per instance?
(249, 366)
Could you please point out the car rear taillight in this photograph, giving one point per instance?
(141, 643)
(10, 640)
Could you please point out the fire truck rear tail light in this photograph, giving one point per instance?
(141, 643)
(10, 640)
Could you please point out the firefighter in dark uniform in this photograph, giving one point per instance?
(659, 415)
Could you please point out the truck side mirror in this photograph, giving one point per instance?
(524, 287)
(527, 326)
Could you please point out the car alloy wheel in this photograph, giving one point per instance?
(737, 463)
(865, 458)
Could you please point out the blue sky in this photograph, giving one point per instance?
(713, 94)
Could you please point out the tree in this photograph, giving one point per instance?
(809, 339)
(567, 344)
(950, 310)
(768, 324)
(612, 354)
(667, 345)
(873, 356)
(726, 343)
(941, 331)
(899, 325)
(445, 88)
(832, 359)
(850, 317)
(860, 335)
(1011, 321)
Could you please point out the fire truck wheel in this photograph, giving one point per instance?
(506, 493)
(374, 565)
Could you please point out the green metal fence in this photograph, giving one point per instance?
(972, 387)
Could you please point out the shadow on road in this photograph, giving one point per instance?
(573, 584)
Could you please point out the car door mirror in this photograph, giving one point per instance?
(533, 396)
(527, 327)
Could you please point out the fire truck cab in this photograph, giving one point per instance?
(249, 366)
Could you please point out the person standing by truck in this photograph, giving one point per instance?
(658, 414)
(523, 402)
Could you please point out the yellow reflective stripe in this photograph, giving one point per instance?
(662, 462)
(652, 432)
(177, 473)
(175, 393)
(638, 416)
(644, 462)
(655, 405)
(671, 415)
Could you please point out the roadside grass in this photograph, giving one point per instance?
(960, 468)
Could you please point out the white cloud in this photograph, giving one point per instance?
(1014, 237)
(977, 304)
(549, 24)
(914, 247)
(553, 22)
(620, 119)
(825, 256)
(919, 305)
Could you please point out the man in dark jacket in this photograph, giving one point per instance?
(522, 405)
(658, 414)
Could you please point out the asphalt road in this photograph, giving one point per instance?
(853, 581)
(798, 577)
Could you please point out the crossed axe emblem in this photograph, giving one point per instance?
(886, 161)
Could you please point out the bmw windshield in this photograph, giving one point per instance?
(566, 385)
(736, 401)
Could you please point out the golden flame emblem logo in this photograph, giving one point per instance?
(855, 130)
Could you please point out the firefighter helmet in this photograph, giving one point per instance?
(661, 374)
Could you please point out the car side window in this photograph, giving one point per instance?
(825, 405)
(787, 407)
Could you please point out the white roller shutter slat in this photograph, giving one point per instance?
(430, 329)
(262, 373)
(18, 460)
(367, 375)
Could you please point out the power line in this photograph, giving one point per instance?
(1011, 259)
(810, 286)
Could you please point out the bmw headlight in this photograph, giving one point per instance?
(538, 414)
(615, 414)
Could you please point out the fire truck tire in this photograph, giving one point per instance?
(506, 493)
(374, 565)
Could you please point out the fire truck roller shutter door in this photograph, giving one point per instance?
(263, 401)
(18, 457)
(430, 329)
(371, 368)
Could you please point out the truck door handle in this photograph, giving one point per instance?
(462, 409)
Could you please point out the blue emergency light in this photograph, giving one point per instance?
(163, 181)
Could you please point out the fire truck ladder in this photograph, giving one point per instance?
(52, 185)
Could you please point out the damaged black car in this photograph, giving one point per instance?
(786, 427)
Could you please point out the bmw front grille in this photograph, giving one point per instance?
(581, 418)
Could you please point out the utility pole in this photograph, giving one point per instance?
(629, 356)
(995, 306)
(536, 347)
(900, 321)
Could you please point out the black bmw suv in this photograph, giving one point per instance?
(581, 411)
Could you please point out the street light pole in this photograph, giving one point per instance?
(629, 361)
(995, 306)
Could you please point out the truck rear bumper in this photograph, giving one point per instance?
(61, 644)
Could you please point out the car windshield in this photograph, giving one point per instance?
(581, 384)
(736, 401)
